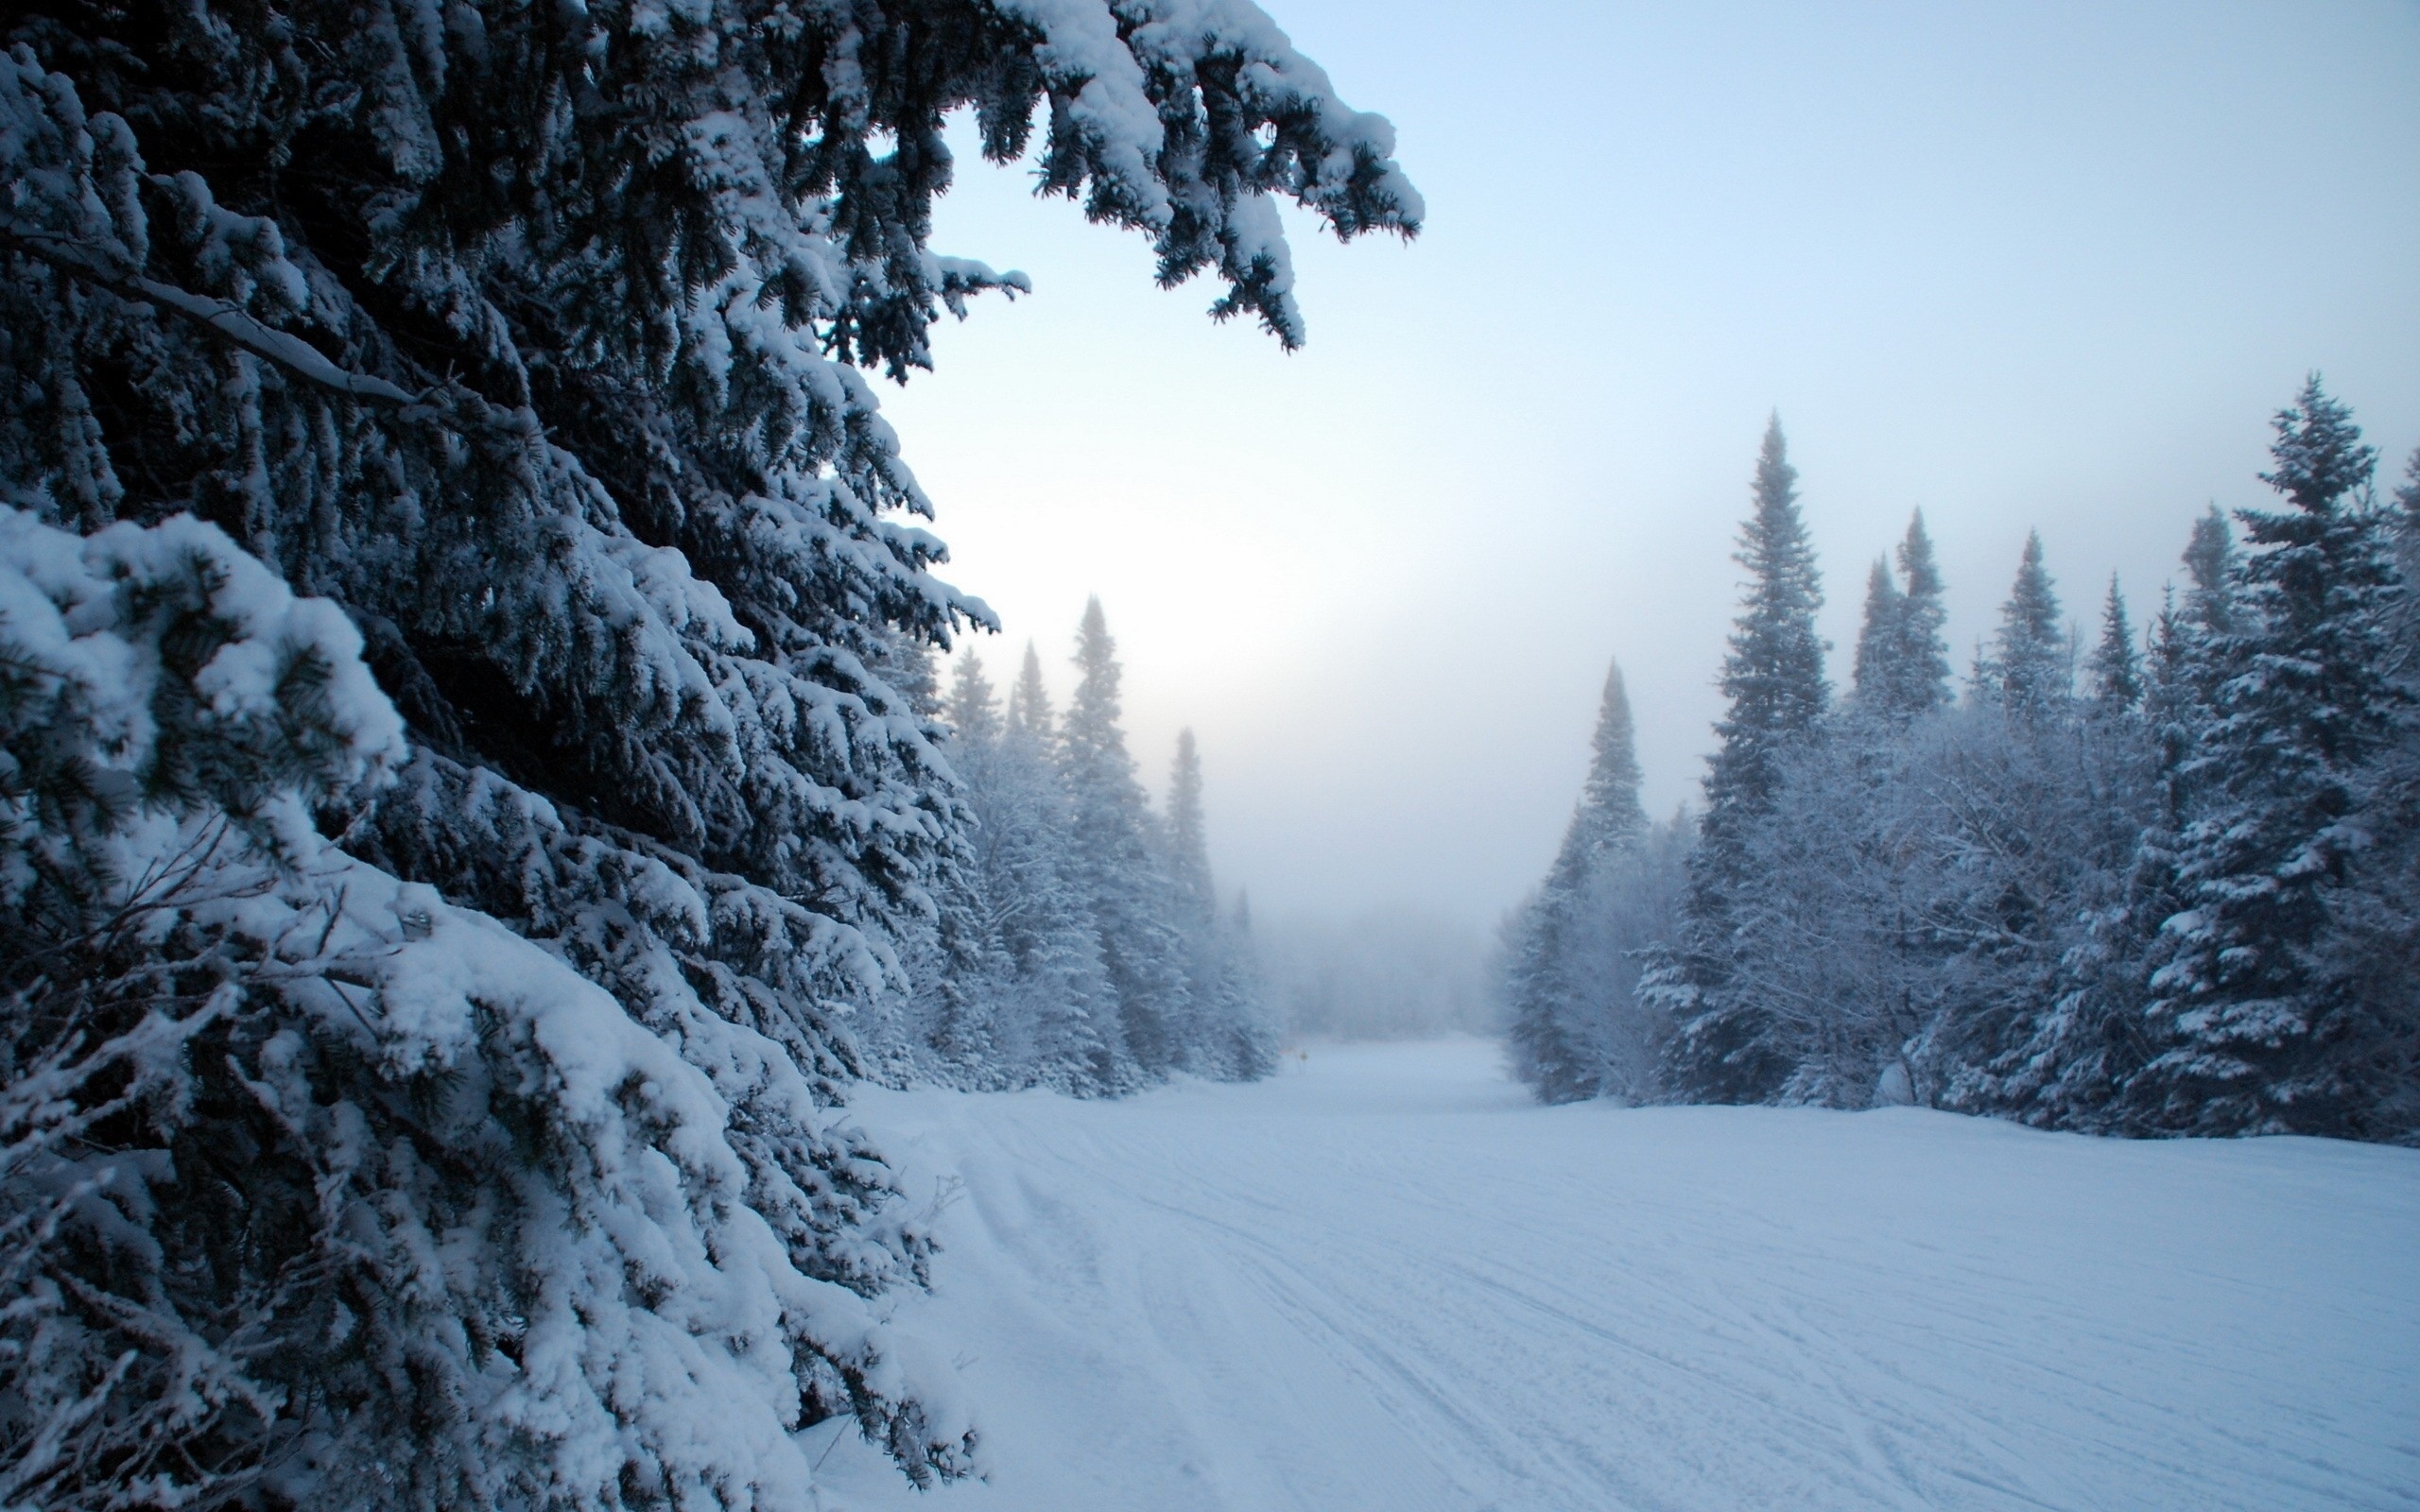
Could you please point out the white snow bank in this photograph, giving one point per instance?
(1383, 1280)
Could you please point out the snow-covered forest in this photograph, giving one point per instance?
(470, 763)
(552, 959)
(2164, 881)
(1084, 946)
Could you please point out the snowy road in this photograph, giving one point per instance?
(1385, 1280)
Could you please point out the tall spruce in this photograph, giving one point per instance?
(2379, 925)
(2031, 668)
(1878, 641)
(1774, 678)
(2116, 667)
(1227, 1033)
(2266, 1028)
(1115, 856)
(1902, 663)
(535, 340)
(1047, 1014)
(1921, 664)
(1555, 1014)
(1188, 838)
(2210, 561)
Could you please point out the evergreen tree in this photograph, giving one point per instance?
(2116, 668)
(1042, 996)
(1227, 1033)
(2377, 925)
(1188, 842)
(1028, 713)
(1922, 684)
(1878, 641)
(2210, 561)
(1557, 1010)
(536, 339)
(1115, 859)
(1902, 665)
(1773, 678)
(2266, 1029)
(2030, 670)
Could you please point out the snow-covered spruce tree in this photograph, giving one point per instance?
(1629, 909)
(945, 1022)
(1877, 638)
(2116, 666)
(2376, 924)
(318, 1191)
(534, 340)
(2210, 561)
(2076, 1069)
(1063, 1008)
(1114, 855)
(1228, 1030)
(1921, 684)
(1773, 678)
(1902, 668)
(2031, 668)
(2256, 991)
(1558, 1003)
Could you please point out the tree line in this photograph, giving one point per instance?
(2155, 885)
(1079, 944)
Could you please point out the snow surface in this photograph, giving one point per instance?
(1385, 1280)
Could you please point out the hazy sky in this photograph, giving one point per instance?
(2024, 265)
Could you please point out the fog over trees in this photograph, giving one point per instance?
(490, 766)
(2142, 886)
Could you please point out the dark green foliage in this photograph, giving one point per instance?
(2268, 1031)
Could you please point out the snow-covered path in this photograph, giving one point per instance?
(1385, 1280)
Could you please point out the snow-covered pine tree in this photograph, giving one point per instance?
(1557, 1004)
(2266, 1029)
(1188, 836)
(2377, 925)
(2210, 561)
(2078, 1068)
(1877, 640)
(1243, 1004)
(1227, 1031)
(1064, 1008)
(1773, 678)
(2030, 670)
(317, 1191)
(1115, 859)
(1922, 662)
(535, 339)
(945, 1023)
(1902, 665)
(2116, 666)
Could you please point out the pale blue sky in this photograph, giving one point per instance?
(2025, 266)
